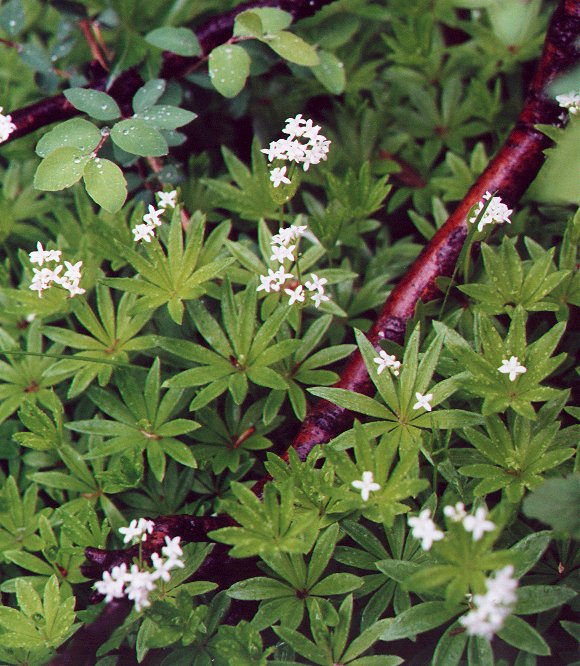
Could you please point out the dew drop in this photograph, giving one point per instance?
(104, 107)
(77, 160)
(125, 132)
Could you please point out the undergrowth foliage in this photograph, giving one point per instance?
(197, 228)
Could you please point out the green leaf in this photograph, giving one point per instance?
(248, 24)
(148, 94)
(520, 634)
(229, 67)
(166, 117)
(355, 402)
(339, 583)
(105, 184)
(61, 169)
(176, 40)
(273, 19)
(293, 48)
(136, 136)
(74, 133)
(95, 103)
(556, 503)
(417, 620)
(330, 72)
(254, 589)
(540, 598)
(450, 647)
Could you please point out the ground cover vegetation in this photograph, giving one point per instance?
(288, 292)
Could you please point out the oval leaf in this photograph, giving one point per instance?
(177, 40)
(330, 72)
(105, 184)
(229, 67)
(148, 94)
(73, 133)
(62, 168)
(294, 49)
(166, 117)
(97, 104)
(138, 137)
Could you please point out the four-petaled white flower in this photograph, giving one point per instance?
(455, 513)
(282, 252)
(278, 176)
(495, 212)
(513, 368)
(143, 232)
(295, 294)
(73, 271)
(317, 284)
(423, 528)
(478, 524)
(44, 279)
(167, 199)
(41, 255)
(6, 126)
(423, 401)
(152, 217)
(366, 486)
(172, 549)
(384, 360)
(319, 297)
(137, 530)
(112, 584)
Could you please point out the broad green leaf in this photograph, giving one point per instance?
(248, 24)
(417, 620)
(105, 184)
(539, 598)
(95, 103)
(74, 133)
(182, 41)
(355, 402)
(330, 72)
(62, 168)
(136, 136)
(273, 19)
(166, 117)
(148, 94)
(293, 48)
(229, 67)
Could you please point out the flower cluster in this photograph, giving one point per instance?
(513, 368)
(137, 530)
(570, 101)
(490, 211)
(424, 529)
(284, 245)
(304, 145)
(384, 360)
(45, 277)
(151, 219)
(136, 583)
(491, 609)
(6, 126)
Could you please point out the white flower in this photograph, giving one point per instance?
(161, 568)
(112, 583)
(41, 255)
(318, 297)
(316, 284)
(137, 531)
(295, 126)
(71, 286)
(424, 528)
(143, 232)
(304, 144)
(513, 368)
(276, 150)
(152, 217)
(491, 609)
(423, 401)
(478, 523)
(455, 513)
(570, 101)
(167, 199)
(298, 231)
(73, 271)
(6, 126)
(278, 176)
(172, 549)
(140, 583)
(366, 486)
(281, 276)
(295, 294)
(41, 280)
(384, 360)
(283, 237)
(281, 252)
(495, 211)
(266, 282)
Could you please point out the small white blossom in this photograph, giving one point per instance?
(112, 583)
(478, 523)
(283, 237)
(281, 276)
(295, 294)
(492, 608)
(266, 282)
(294, 126)
(366, 486)
(570, 101)
(276, 150)
(6, 126)
(41, 255)
(73, 271)
(152, 217)
(161, 568)
(513, 368)
(317, 283)
(423, 528)
(455, 513)
(318, 297)
(495, 212)
(384, 360)
(278, 176)
(137, 530)
(304, 145)
(143, 232)
(167, 199)
(281, 252)
(72, 286)
(423, 401)
(41, 280)
(139, 584)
